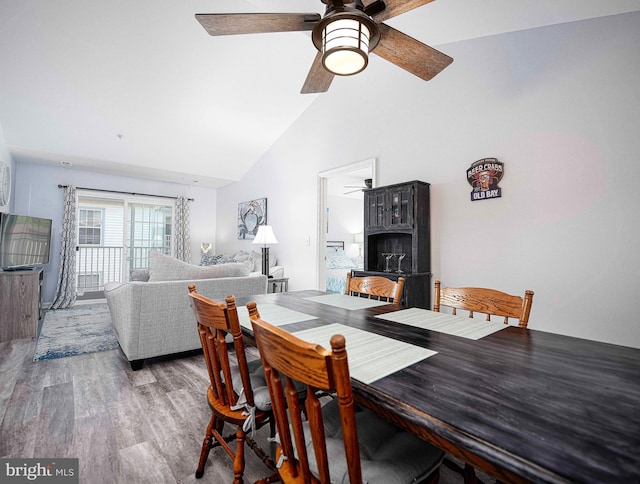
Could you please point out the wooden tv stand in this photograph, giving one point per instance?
(20, 293)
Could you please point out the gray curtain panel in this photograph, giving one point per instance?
(66, 287)
(182, 232)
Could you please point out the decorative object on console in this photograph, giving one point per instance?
(264, 237)
(251, 215)
(206, 248)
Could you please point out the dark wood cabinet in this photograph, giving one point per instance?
(389, 208)
(396, 221)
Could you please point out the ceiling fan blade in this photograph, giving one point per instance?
(410, 54)
(394, 8)
(256, 23)
(319, 79)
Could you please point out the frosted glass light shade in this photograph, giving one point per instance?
(358, 238)
(345, 46)
(265, 236)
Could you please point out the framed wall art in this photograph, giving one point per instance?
(251, 215)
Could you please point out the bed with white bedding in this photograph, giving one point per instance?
(338, 264)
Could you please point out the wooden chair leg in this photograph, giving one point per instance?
(470, 475)
(238, 461)
(266, 460)
(206, 447)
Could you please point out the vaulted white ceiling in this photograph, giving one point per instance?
(139, 88)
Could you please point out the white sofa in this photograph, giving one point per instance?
(154, 318)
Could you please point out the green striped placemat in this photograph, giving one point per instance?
(346, 302)
(462, 326)
(273, 314)
(371, 356)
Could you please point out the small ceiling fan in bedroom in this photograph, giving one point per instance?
(349, 30)
(368, 183)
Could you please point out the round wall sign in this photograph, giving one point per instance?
(5, 183)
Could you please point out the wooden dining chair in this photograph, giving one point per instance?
(375, 287)
(490, 302)
(237, 394)
(335, 442)
(486, 301)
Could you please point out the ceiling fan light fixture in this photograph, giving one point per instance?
(345, 46)
(345, 36)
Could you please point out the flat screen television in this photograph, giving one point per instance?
(25, 241)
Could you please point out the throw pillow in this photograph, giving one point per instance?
(165, 268)
(210, 260)
(339, 260)
(241, 256)
(256, 257)
(141, 275)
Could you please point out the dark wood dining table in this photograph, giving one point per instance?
(521, 404)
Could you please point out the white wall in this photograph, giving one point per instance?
(36, 193)
(558, 105)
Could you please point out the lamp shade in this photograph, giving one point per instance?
(345, 36)
(358, 238)
(265, 236)
(345, 46)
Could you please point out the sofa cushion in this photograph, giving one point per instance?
(261, 396)
(165, 268)
(140, 275)
(240, 256)
(256, 257)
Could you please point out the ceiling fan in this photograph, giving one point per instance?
(368, 183)
(349, 30)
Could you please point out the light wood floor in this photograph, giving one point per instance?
(124, 426)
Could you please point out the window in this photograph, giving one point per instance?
(90, 226)
(150, 228)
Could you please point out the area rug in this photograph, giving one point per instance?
(75, 331)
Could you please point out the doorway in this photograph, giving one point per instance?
(343, 188)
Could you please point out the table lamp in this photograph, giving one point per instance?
(264, 237)
(359, 240)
